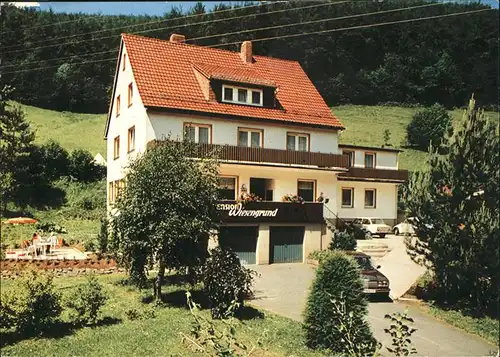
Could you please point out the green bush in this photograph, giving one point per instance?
(428, 126)
(102, 238)
(225, 280)
(337, 281)
(87, 300)
(82, 167)
(343, 240)
(320, 255)
(31, 304)
(136, 314)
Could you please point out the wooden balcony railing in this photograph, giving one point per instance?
(380, 174)
(264, 155)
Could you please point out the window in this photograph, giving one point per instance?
(305, 189)
(130, 94)
(256, 97)
(242, 95)
(370, 198)
(124, 61)
(199, 133)
(111, 197)
(297, 142)
(349, 153)
(131, 139)
(370, 160)
(227, 188)
(115, 189)
(250, 137)
(116, 148)
(117, 105)
(228, 94)
(347, 197)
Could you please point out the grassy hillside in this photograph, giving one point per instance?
(71, 130)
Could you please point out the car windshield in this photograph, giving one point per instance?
(377, 221)
(364, 263)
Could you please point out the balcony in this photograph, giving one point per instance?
(270, 156)
(270, 211)
(364, 174)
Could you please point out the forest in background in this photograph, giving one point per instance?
(442, 60)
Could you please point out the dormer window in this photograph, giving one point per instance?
(241, 95)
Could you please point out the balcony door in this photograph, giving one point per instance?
(262, 187)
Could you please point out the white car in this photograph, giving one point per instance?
(408, 226)
(373, 226)
(405, 227)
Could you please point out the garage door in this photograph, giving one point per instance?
(242, 240)
(287, 244)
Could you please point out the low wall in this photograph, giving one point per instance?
(12, 268)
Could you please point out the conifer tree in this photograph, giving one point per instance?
(457, 203)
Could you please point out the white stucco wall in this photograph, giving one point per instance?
(225, 131)
(386, 200)
(118, 126)
(384, 159)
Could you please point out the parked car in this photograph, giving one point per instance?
(405, 227)
(408, 226)
(374, 282)
(374, 226)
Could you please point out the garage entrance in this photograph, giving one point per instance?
(286, 244)
(242, 240)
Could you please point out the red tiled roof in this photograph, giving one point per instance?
(165, 78)
(245, 75)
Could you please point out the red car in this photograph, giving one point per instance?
(374, 282)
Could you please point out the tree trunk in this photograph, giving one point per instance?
(159, 279)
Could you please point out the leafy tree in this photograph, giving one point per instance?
(82, 167)
(55, 159)
(16, 144)
(167, 208)
(428, 127)
(387, 137)
(337, 280)
(423, 62)
(457, 203)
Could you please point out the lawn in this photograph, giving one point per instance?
(486, 327)
(71, 130)
(119, 336)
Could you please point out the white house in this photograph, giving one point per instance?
(279, 137)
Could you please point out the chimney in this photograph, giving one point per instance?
(176, 38)
(246, 51)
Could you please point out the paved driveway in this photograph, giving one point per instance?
(283, 289)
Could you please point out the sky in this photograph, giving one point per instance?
(142, 7)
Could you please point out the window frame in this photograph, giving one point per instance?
(197, 131)
(130, 148)
(374, 154)
(124, 61)
(111, 197)
(341, 197)
(118, 104)
(297, 135)
(250, 130)
(130, 94)
(249, 98)
(374, 198)
(353, 152)
(236, 185)
(116, 147)
(315, 188)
